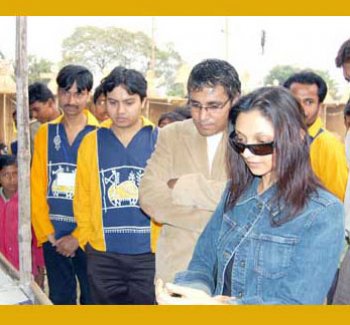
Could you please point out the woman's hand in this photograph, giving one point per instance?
(172, 294)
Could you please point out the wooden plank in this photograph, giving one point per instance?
(24, 225)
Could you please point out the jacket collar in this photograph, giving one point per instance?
(265, 198)
(91, 119)
(196, 147)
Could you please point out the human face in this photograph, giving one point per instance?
(254, 128)
(346, 70)
(207, 121)
(100, 108)
(42, 111)
(71, 101)
(9, 180)
(307, 96)
(124, 109)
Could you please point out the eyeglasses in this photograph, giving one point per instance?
(259, 149)
(210, 108)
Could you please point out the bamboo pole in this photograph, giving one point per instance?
(4, 119)
(24, 226)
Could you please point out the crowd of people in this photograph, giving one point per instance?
(230, 200)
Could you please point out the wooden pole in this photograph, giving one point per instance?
(24, 225)
(4, 119)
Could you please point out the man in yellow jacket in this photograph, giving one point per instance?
(112, 228)
(327, 153)
(52, 185)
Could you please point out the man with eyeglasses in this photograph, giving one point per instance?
(186, 175)
(53, 182)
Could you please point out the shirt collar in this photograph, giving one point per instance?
(2, 194)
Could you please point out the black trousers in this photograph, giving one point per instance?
(117, 279)
(61, 274)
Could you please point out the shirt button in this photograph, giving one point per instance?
(242, 264)
(260, 205)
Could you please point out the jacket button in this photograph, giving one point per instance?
(260, 205)
(240, 294)
(242, 264)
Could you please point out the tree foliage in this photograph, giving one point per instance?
(280, 73)
(37, 67)
(101, 49)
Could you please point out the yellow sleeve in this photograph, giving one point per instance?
(82, 204)
(328, 162)
(155, 232)
(39, 206)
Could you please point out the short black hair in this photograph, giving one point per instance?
(347, 109)
(97, 93)
(213, 72)
(172, 116)
(7, 160)
(131, 80)
(343, 54)
(75, 73)
(309, 78)
(39, 92)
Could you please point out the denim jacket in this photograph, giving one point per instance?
(290, 264)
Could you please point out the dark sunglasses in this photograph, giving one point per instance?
(261, 149)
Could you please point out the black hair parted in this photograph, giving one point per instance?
(214, 72)
(343, 54)
(39, 92)
(7, 160)
(309, 78)
(131, 80)
(70, 74)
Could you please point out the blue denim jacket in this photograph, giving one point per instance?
(291, 264)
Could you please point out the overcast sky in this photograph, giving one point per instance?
(307, 42)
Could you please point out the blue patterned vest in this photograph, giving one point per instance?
(62, 159)
(126, 228)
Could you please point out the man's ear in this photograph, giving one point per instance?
(51, 102)
(235, 99)
(144, 102)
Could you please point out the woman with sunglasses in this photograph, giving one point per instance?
(277, 234)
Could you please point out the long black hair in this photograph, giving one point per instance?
(295, 179)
